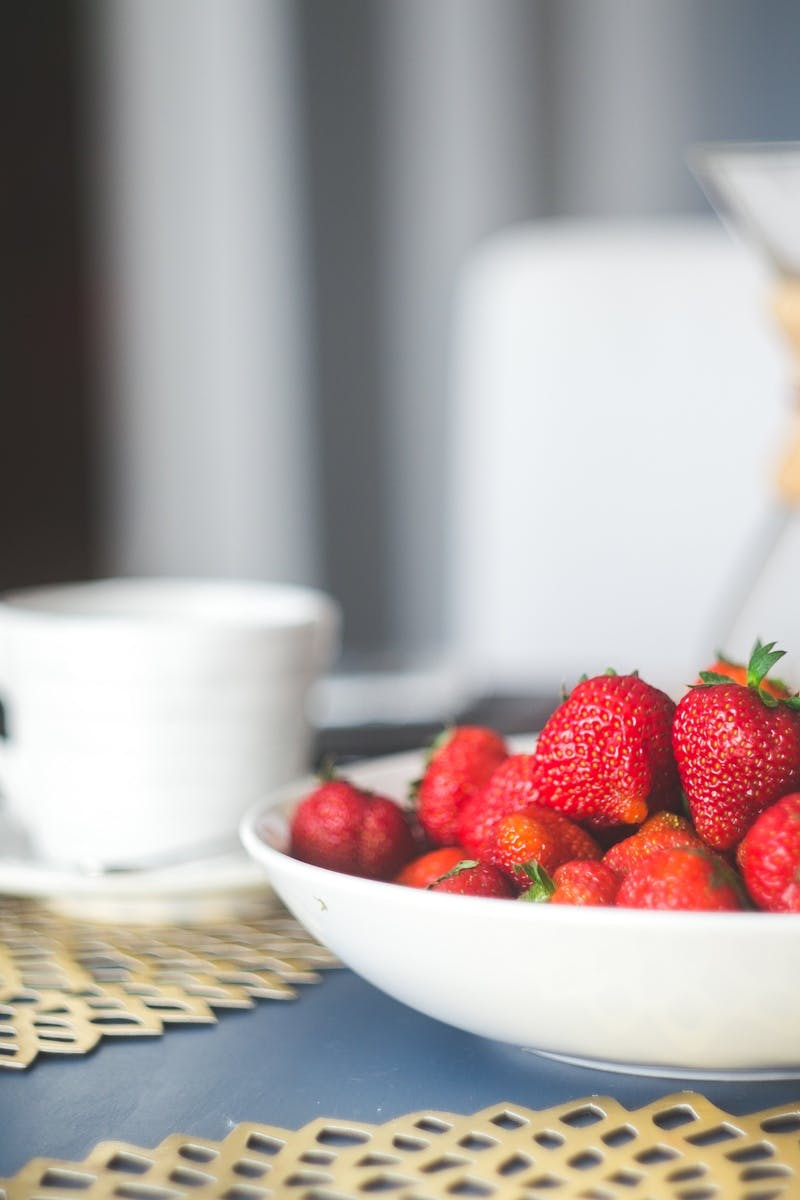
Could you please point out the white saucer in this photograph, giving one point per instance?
(198, 889)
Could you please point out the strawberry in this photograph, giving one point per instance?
(737, 750)
(769, 856)
(460, 763)
(541, 835)
(579, 881)
(512, 787)
(431, 866)
(604, 757)
(662, 831)
(472, 878)
(684, 877)
(348, 829)
(585, 883)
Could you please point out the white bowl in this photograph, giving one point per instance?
(710, 995)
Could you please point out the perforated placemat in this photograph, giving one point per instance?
(66, 983)
(680, 1148)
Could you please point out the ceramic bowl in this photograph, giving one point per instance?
(696, 995)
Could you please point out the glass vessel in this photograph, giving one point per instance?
(755, 188)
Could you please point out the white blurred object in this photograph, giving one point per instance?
(756, 186)
(618, 403)
(145, 715)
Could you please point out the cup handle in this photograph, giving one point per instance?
(8, 789)
(9, 753)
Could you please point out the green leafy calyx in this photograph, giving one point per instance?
(466, 864)
(542, 885)
(763, 658)
(712, 677)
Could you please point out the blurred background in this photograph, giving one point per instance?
(414, 300)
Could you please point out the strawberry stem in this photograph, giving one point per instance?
(327, 772)
(542, 887)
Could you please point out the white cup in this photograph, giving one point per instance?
(144, 715)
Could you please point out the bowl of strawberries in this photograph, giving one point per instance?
(621, 889)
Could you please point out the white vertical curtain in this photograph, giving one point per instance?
(201, 245)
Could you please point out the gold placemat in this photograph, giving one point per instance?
(67, 983)
(680, 1148)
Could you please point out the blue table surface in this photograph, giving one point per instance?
(342, 1049)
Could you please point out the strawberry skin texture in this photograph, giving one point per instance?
(512, 787)
(457, 769)
(585, 883)
(735, 757)
(480, 880)
(605, 755)
(662, 831)
(769, 856)
(541, 835)
(682, 878)
(342, 828)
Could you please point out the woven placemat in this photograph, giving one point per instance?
(680, 1148)
(65, 984)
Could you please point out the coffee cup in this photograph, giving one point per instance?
(143, 716)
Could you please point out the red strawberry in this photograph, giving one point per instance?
(345, 828)
(472, 878)
(426, 869)
(460, 763)
(512, 787)
(737, 750)
(769, 856)
(604, 756)
(682, 878)
(541, 835)
(582, 882)
(579, 881)
(662, 831)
